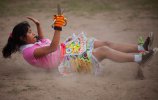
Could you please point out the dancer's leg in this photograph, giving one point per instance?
(106, 52)
(123, 47)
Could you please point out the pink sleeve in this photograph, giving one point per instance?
(28, 54)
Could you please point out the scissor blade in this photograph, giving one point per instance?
(59, 10)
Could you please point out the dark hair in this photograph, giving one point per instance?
(15, 39)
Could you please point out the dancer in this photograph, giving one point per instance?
(77, 54)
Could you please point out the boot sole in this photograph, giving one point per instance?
(155, 50)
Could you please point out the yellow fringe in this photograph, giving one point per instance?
(80, 65)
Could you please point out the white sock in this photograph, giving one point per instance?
(140, 48)
(137, 58)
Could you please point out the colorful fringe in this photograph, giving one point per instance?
(76, 55)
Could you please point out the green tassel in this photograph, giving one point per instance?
(140, 40)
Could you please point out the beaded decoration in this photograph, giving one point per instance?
(76, 55)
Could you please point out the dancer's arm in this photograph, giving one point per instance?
(59, 22)
(39, 52)
(38, 25)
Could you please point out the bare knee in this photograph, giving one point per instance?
(98, 43)
(107, 43)
(100, 52)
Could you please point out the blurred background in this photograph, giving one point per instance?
(18, 7)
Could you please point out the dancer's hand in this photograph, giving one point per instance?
(34, 20)
(39, 29)
(59, 22)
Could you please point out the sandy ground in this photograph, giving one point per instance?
(119, 81)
